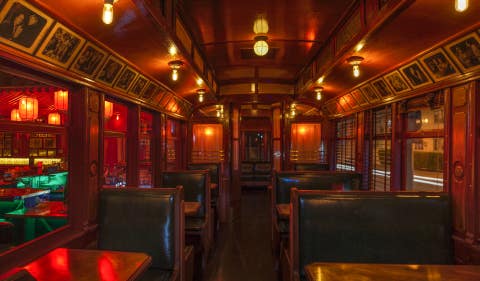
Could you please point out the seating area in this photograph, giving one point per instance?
(347, 227)
(256, 173)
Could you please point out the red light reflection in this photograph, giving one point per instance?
(107, 269)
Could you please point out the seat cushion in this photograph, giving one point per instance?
(155, 274)
(194, 224)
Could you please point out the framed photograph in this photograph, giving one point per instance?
(139, 85)
(149, 91)
(397, 82)
(382, 88)
(22, 26)
(370, 93)
(49, 143)
(358, 96)
(344, 103)
(466, 52)
(89, 60)
(350, 100)
(438, 65)
(125, 79)
(415, 75)
(61, 46)
(110, 70)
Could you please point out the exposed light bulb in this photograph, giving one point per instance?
(200, 97)
(356, 70)
(260, 48)
(461, 5)
(319, 95)
(107, 15)
(174, 74)
(199, 81)
(172, 50)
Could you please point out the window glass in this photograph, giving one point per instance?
(345, 144)
(380, 172)
(207, 143)
(306, 144)
(145, 151)
(114, 142)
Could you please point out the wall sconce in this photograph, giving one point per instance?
(54, 118)
(461, 5)
(201, 93)
(107, 14)
(292, 110)
(28, 108)
(355, 62)
(15, 115)
(175, 66)
(318, 91)
(60, 100)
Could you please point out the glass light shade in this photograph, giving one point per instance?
(15, 115)
(260, 48)
(319, 95)
(107, 15)
(200, 97)
(54, 118)
(260, 26)
(108, 110)
(461, 5)
(174, 74)
(28, 108)
(60, 100)
(356, 70)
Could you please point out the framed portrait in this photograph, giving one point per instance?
(109, 70)
(382, 88)
(23, 26)
(61, 46)
(358, 96)
(438, 65)
(396, 82)
(139, 85)
(125, 79)
(350, 100)
(344, 103)
(149, 90)
(415, 75)
(88, 60)
(466, 52)
(370, 93)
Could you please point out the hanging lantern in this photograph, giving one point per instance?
(108, 110)
(54, 118)
(28, 108)
(15, 115)
(61, 100)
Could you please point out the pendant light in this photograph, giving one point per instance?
(28, 108)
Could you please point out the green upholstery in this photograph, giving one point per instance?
(311, 167)
(373, 227)
(141, 220)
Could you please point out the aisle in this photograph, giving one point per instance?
(243, 248)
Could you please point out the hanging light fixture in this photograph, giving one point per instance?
(54, 118)
(175, 66)
(28, 108)
(201, 93)
(107, 14)
(260, 48)
(461, 5)
(60, 99)
(318, 91)
(15, 115)
(108, 112)
(355, 62)
(260, 25)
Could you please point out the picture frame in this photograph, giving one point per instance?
(343, 103)
(382, 88)
(23, 26)
(359, 97)
(88, 60)
(350, 101)
(126, 78)
(439, 65)
(35, 143)
(49, 143)
(415, 75)
(149, 91)
(139, 85)
(396, 82)
(465, 52)
(370, 93)
(110, 70)
(60, 46)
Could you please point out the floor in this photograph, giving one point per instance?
(243, 248)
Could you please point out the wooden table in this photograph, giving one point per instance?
(390, 272)
(64, 264)
(191, 208)
(283, 211)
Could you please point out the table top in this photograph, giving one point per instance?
(191, 208)
(12, 193)
(64, 264)
(390, 272)
(283, 211)
(50, 209)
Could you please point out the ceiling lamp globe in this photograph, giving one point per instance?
(260, 48)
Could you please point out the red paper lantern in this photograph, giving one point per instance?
(61, 99)
(108, 109)
(28, 108)
(54, 118)
(15, 115)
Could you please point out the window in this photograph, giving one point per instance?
(306, 144)
(424, 142)
(145, 150)
(114, 141)
(207, 143)
(345, 144)
(381, 150)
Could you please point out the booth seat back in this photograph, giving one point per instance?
(213, 169)
(311, 167)
(284, 181)
(196, 186)
(143, 220)
(370, 227)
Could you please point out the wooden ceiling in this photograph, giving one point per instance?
(222, 30)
